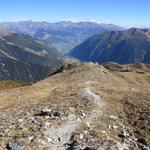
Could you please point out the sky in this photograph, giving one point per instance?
(127, 13)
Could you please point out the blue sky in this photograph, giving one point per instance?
(121, 12)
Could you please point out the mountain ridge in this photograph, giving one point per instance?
(64, 35)
(18, 50)
(129, 46)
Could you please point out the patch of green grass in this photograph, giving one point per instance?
(148, 79)
(8, 84)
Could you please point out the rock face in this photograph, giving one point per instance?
(24, 59)
(63, 35)
(130, 46)
(81, 107)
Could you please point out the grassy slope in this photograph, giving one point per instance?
(10, 84)
(124, 94)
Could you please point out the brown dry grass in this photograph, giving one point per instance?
(9, 84)
(119, 91)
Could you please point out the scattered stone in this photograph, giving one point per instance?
(72, 145)
(30, 138)
(20, 120)
(6, 131)
(72, 109)
(48, 112)
(88, 124)
(104, 132)
(81, 136)
(113, 117)
(124, 135)
(89, 95)
(142, 141)
(86, 132)
(83, 114)
(16, 145)
(46, 124)
(115, 127)
(59, 139)
(56, 114)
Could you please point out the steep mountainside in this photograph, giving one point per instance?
(82, 107)
(24, 59)
(130, 46)
(63, 35)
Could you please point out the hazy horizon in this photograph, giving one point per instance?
(123, 13)
(75, 21)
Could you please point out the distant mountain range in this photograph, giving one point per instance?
(64, 35)
(24, 59)
(130, 46)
